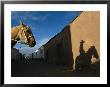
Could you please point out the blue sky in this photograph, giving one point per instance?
(44, 25)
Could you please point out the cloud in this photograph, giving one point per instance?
(43, 41)
(28, 16)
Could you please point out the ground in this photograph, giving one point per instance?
(34, 68)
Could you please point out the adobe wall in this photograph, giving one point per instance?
(85, 27)
(63, 38)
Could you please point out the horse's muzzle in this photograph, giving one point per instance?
(32, 44)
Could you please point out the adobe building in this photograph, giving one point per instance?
(58, 49)
(64, 47)
(39, 53)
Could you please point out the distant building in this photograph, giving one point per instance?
(29, 56)
(64, 47)
(15, 54)
(39, 53)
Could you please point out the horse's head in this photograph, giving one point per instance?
(92, 51)
(26, 36)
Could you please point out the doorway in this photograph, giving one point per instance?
(60, 54)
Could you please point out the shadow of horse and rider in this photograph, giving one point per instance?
(83, 60)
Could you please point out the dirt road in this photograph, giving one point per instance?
(35, 68)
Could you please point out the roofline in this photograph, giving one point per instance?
(76, 17)
(64, 28)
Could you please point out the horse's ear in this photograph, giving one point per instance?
(21, 23)
(29, 27)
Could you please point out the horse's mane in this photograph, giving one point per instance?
(14, 27)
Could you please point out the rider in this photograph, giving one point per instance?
(81, 50)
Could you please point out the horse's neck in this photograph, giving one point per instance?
(14, 32)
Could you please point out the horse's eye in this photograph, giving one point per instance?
(28, 31)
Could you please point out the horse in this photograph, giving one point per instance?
(22, 34)
(84, 62)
